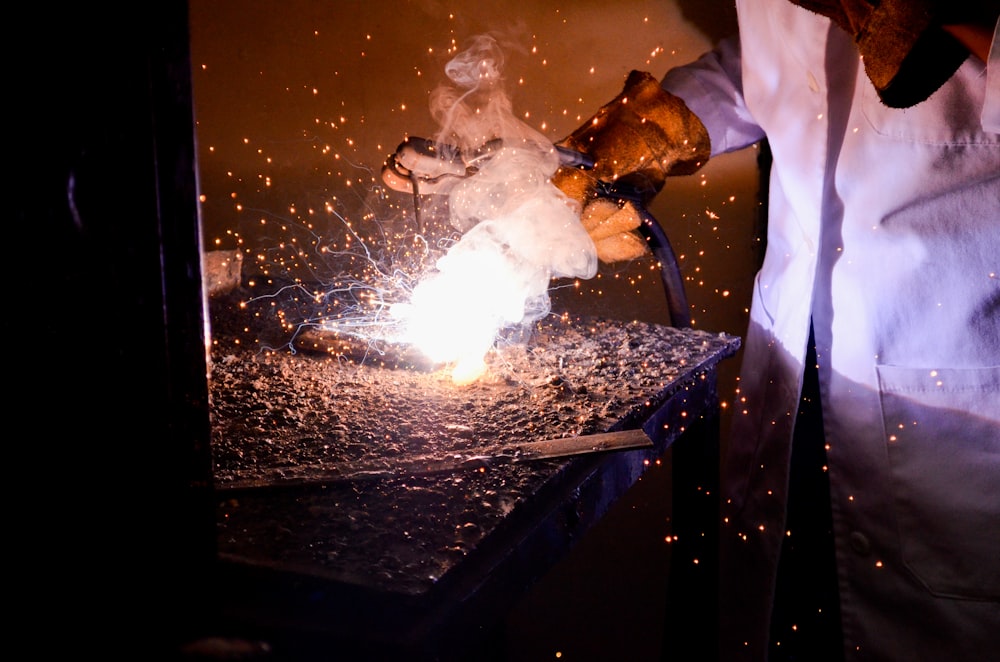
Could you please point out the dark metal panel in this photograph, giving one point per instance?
(109, 362)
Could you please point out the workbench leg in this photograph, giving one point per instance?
(693, 582)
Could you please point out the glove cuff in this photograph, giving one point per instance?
(645, 134)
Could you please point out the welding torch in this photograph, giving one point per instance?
(423, 166)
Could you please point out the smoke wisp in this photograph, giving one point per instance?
(518, 231)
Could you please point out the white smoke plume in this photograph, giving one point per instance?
(518, 230)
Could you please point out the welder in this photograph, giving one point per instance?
(861, 484)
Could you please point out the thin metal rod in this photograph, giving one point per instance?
(470, 459)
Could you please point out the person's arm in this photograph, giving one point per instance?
(712, 87)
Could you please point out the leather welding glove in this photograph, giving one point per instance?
(636, 141)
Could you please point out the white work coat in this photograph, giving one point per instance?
(884, 231)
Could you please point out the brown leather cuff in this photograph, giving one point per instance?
(906, 54)
(644, 134)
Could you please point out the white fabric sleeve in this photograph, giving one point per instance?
(712, 87)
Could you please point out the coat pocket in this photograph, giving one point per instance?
(942, 431)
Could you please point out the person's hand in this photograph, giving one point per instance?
(642, 136)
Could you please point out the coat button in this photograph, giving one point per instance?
(859, 543)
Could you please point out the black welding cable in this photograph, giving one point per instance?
(670, 271)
